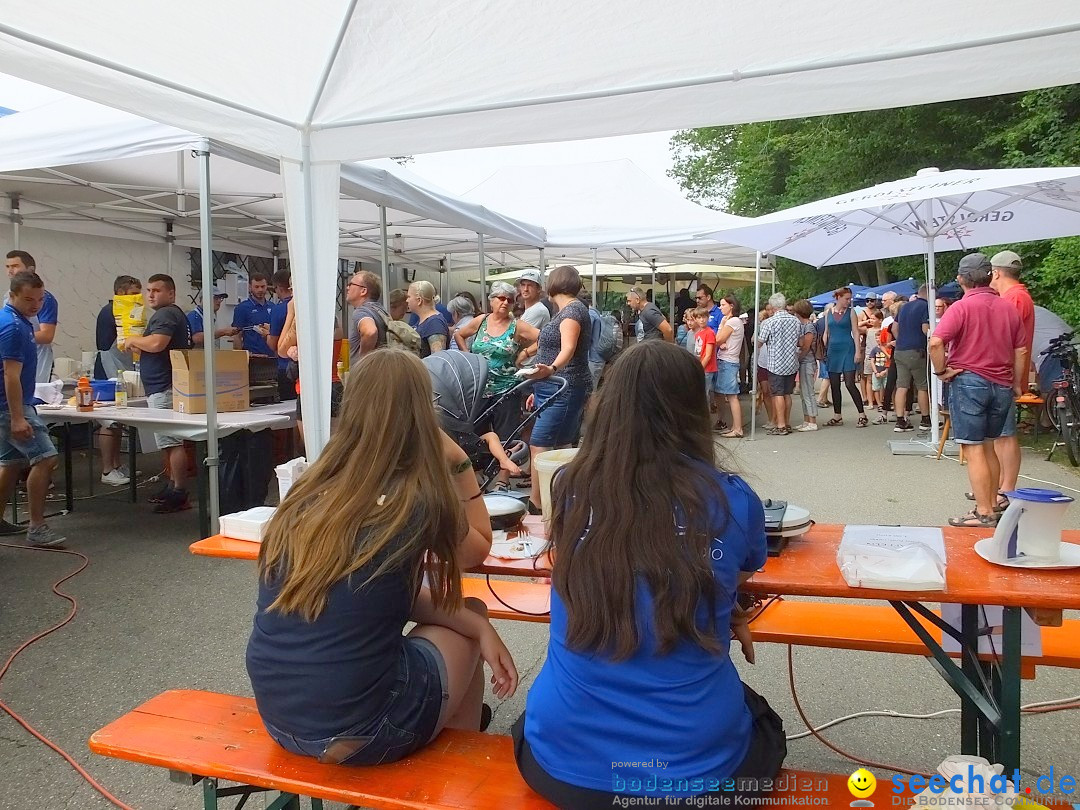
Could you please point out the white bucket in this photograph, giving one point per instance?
(545, 466)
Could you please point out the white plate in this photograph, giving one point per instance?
(502, 505)
(44, 407)
(788, 531)
(522, 547)
(1070, 557)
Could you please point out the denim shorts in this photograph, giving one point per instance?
(727, 377)
(980, 409)
(414, 716)
(162, 400)
(558, 424)
(18, 452)
(781, 385)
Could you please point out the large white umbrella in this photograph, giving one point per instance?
(929, 213)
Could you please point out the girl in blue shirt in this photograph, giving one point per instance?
(638, 695)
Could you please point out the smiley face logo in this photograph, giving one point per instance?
(862, 785)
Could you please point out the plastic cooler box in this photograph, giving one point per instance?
(247, 525)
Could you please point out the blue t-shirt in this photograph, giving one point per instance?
(412, 319)
(432, 327)
(17, 343)
(686, 708)
(251, 313)
(909, 324)
(277, 325)
(49, 313)
(195, 322)
(716, 315)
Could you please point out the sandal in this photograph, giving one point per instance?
(824, 404)
(973, 520)
(862, 421)
(1000, 505)
(880, 419)
(731, 434)
(836, 421)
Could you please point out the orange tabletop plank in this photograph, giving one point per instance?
(808, 568)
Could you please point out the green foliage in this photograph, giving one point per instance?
(754, 169)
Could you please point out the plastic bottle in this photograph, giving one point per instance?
(84, 395)
(121, 393)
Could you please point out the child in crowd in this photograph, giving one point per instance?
(879, 363)
(704, 345)
(688, 330)
(874, 318)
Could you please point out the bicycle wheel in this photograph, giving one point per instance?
(1051, 409)
(1070, 430)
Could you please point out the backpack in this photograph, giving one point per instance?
(604, 337)
(399, 335)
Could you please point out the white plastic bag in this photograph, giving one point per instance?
(895, 558)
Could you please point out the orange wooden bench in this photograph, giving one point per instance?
(219, 738)
(872, 628)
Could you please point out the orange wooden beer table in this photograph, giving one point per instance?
(989, 691)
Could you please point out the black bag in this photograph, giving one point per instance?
(246, 463)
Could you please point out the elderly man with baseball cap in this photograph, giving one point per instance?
(195, 320)
(986, 365)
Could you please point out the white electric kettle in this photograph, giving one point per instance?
(1029, 530)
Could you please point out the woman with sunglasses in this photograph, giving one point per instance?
(499, 337)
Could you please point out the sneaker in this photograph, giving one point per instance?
(175, 500)
(10, 528)
(806, 427)
(115, 478)
(903, 426)
(43, 537)
(924, 424)
(159, 497)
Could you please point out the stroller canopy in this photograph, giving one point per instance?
(458, 380)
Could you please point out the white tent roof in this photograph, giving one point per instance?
(131, 169)
(345, 79)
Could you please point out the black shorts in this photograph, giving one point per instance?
(286, 388)
(337, 390)
(504, 418)
(763, 760)
(781, 385)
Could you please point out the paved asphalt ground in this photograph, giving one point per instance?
(153, 617)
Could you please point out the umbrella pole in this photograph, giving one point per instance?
(935, 383)
(754, 348)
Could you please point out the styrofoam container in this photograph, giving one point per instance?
(247, 525)
(287, 474)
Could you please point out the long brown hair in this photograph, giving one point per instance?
(644, 467)
(381, 476)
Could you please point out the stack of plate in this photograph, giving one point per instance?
(784, 521)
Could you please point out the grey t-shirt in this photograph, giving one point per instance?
(538, 316)
(648, 322)
(372, 310)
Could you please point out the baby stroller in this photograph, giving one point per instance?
(458, 380)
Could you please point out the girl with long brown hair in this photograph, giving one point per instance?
(373, 535)
(638, 695)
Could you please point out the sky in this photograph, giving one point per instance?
(460, 171)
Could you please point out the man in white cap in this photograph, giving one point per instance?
(530, 287)
(1005, 280)
(195, 321)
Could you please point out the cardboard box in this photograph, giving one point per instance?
(189, 381)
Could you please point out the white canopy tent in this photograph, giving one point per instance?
(364, 80)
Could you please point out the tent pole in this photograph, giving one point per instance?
(754, 352)
(207, 257)
(169, 240)
(543, 265)
(671, 302)
(935, 383)
(595, 299)
(277, 253)
(483, 272)
(384, 254)
(16, 218)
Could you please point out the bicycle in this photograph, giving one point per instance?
(1063, 407)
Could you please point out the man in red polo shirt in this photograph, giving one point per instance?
(987, 360)
(1005, 280)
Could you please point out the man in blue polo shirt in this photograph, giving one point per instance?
(704, 298)
(195, 320)
(909, 356)
(252, 317)
(24, 439)
(283, 292)
(44, 323)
